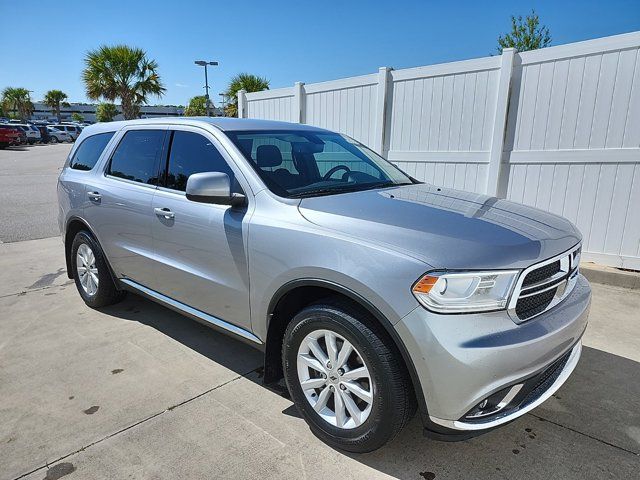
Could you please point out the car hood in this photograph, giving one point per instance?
(445, 228)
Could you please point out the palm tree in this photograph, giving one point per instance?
(246, 82)
(105, 112)
(197, 107)
(53, 99)
(18, 101)
(121, 72)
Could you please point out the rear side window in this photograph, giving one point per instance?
(136, 157)
(192, 153)
(89, 151)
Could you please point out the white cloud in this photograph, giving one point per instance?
(182, 85)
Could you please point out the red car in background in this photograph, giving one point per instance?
(10, 135)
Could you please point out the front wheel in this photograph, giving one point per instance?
(346, 378)
(53, 140)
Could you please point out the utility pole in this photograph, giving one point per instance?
(204, 63)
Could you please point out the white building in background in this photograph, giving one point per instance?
(88, 111)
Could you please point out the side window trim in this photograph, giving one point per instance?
(123, 134)
(163, 164)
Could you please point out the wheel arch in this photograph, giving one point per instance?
(295, 295)
(74, 225)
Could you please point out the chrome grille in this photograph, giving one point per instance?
(544, 285)
(541, 274)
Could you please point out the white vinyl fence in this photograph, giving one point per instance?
(557, 128)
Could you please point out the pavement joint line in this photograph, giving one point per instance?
(585, 434)
(7, 242)
(139, 422)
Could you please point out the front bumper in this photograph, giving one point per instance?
(460, 360)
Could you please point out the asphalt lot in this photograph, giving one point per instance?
(28, 191)
(138, 391)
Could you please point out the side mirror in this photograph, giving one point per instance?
(212, 187)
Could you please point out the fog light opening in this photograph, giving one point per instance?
(494, 403)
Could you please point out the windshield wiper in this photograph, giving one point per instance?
(318, 192)
(352, 188)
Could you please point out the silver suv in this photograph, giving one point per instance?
(371, 293)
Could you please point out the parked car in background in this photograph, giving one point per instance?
(56, 135)
(71, 130)
(371, 293)
(33, 134)
(44, 133)
(31, 131)
(23, 133)
(9, 136)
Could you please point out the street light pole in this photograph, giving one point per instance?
(224, 103)
(204, 64)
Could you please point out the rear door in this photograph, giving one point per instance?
(119, 202)
(201, 248)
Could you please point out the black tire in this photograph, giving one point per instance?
(107, 292)
(393, 397)
(53, 140)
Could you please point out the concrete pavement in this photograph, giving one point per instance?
(138, 391)
(28, 177)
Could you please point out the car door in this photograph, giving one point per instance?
(119, 202)
(200, 248)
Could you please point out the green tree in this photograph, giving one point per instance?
(122, 72)
(76, 117)
(197, 107)
(105, 112)
(54, 99)
(243, 81)
(17, 102)
(526, 34)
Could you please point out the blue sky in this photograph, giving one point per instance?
(43, 44)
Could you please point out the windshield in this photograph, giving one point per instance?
(298, 163)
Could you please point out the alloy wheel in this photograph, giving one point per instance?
(87, 270)
(335, 379)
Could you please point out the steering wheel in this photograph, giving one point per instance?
(333, 170)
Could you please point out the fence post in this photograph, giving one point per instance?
(242, 104)
(495, 182)
(384, 79)
(299, 101)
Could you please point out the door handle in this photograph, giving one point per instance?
(164, 212)
(94, 196)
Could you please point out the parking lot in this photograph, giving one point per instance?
(28, 191)
(138, 391)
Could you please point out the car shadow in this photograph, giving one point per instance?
(594, 414)
(218, 347)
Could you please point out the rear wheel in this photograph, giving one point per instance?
(91, 272)
(346, 378)
(53, 139)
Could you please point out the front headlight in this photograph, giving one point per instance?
(465, 292)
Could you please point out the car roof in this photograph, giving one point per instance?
(222, 123)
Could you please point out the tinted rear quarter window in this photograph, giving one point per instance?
(192, 153)
(89, 151)
(136, 157)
